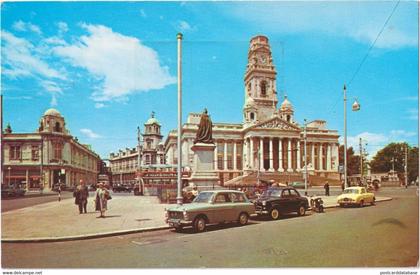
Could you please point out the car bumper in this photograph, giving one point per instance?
(261, 212)
(345, 203)
(178, 222)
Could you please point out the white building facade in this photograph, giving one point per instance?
(268, 141)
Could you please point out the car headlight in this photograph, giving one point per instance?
(185, 215)
(264, 203)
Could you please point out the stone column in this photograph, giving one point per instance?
(289, 156)
(215, 156)
(251, 155)
(262, 154)
(313, 155)
(298, 156)
(320, 157)
(271, 169)
(280, 156)
(234, 156)
(328, 157)
(225, 156)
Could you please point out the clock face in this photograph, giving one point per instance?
(263, 59)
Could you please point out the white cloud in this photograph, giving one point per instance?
(99, 105)
(62, 27)
(122, 62)
(412, 114)
(143, 13)
(24, 26)
(89, 133)
(184, 26)
(20, 58)
(376, 142)
(359, 20)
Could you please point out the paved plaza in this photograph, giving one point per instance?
(55, 221)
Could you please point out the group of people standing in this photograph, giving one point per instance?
(81, 195)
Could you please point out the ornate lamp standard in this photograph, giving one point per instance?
(355, 107)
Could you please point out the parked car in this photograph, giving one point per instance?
(356, 196)
(122, 188)
(8, 192)
(298, 185)
(211, 207)
(280, 200)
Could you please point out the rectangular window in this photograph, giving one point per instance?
(239, 156)
(35, 152)
(15, 152)
(58, 150)
(220, 149)
(229, 156)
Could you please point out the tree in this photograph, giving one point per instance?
(353, 162)
(394, 155)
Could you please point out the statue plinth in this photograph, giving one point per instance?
(204, 175)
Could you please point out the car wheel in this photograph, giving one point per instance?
(373, 201)
(274, 214)
(243, 218)
(301, 210)
(341, 205)
(362, 203)
(199, 224)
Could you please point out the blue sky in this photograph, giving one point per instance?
(107, 65)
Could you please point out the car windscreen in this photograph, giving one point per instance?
(204, 197)
(351, 191)
(272, 193)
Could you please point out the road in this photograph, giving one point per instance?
(385, 235)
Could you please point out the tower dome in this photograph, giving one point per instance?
(152, 120)
(286, 105)
(52, 112)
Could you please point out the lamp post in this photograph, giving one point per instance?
(306, 164)
(179, 176)
(355, 107)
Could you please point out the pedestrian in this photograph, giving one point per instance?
(327, 188)
(59, 192)
(101, 199)
(41, 188)
(342, 185)
(81, 195)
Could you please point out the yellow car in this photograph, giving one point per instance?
(356, 196)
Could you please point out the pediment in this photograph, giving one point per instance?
(277, 124)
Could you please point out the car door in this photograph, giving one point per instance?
(285, 202)
(240, 204)
(222, 208)
(294, 200)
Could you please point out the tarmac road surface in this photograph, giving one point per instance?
(384, 235)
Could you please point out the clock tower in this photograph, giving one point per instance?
(260, 82)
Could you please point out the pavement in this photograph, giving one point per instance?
(61, 221)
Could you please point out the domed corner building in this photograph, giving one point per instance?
(269, 144)
(47, 157)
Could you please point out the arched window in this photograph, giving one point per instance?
(288, 118)
(252, 116)
(263, 86)
(57, 127)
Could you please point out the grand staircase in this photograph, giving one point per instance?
(266, 178)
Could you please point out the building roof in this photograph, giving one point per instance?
(52, 112)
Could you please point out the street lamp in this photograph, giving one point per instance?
(355, 108)
(306, 163)
(179, 198)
